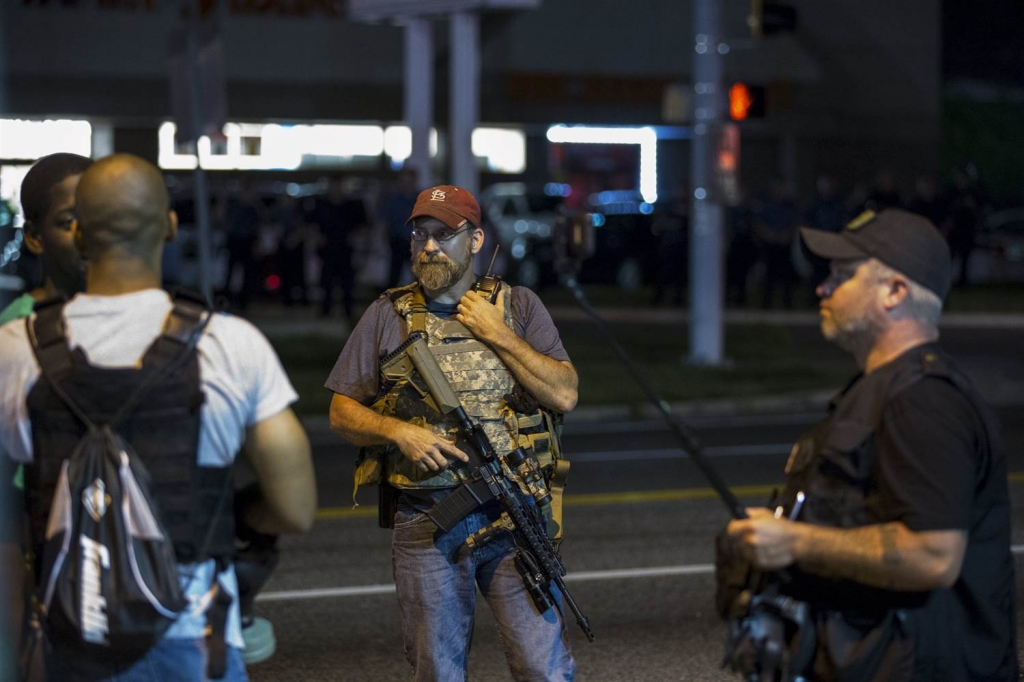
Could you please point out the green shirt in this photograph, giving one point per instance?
(18, 308)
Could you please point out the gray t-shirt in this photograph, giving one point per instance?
(381, 330)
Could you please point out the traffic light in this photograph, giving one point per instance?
(746, 101)
(769, 18)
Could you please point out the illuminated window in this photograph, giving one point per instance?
(32, 139)
(398, 143)
(503, 149)
(11, 178)
(645, 137)
(257, 146)
(253, 146)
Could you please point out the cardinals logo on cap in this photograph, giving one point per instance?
(437, 195)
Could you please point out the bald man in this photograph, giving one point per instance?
(239, 384)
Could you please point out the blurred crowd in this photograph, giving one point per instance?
(765, 253)
(315, 244)
(304, 245)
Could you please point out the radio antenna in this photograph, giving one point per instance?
(490, 268)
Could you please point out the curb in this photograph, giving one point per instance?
(790, 318)
(808, 401)
(285, 326)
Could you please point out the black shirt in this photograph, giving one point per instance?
(937, 463)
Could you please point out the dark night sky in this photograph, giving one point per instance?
(984, 39)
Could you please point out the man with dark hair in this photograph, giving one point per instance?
(506, 363)
(894, 527)
(238, 399)
(48, 204)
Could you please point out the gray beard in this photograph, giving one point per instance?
(852, 335)
(440, 273)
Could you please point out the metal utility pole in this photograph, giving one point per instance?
(706, 262)
(200, 187)
(419, 94)
(464, 106)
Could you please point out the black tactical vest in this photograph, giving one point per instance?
(163, 429)
(832, 466)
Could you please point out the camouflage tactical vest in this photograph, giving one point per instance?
(483, 384)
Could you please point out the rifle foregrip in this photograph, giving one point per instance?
(430, 372)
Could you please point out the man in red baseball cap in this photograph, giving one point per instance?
(453, 206)
(506, 363)
(894, 526)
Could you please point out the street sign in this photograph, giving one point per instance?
(197, 72)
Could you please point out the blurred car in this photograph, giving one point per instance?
(626, 247)
(524, 218)
(999, 248)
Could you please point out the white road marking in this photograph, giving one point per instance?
(677, 453)
(580, 576)
(707, 421)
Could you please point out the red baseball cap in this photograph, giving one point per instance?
(452, 205)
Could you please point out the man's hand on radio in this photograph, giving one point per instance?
(485, 319)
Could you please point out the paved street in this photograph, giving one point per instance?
(640, 524)
(639, 551)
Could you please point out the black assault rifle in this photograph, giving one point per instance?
(536, 559)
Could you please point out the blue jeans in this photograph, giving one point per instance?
(171, 660)
(436, 576)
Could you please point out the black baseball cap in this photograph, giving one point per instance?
(902, 240)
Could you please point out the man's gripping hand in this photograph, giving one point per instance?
(485, 319)
(426, 449)
(766, 541)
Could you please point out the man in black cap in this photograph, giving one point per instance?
(894, 524)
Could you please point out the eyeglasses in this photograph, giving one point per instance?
(442, 236)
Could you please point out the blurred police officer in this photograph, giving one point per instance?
(894, 526)
(122, 223)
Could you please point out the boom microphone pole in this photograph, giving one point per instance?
(574, 242)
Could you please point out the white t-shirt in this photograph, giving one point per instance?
(240, 375)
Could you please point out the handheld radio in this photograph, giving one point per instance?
(489, 285)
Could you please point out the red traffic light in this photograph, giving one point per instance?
(746, 101)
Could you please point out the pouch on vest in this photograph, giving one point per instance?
(522, 422)
(865, 650)
(109, 579)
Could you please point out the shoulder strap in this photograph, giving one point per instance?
(184, 325)
(932, 363)
(398, 292)
(46, 334)
(410, 305)
(938, 364)
(181, 324)
(186, 317)
(506, 291)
